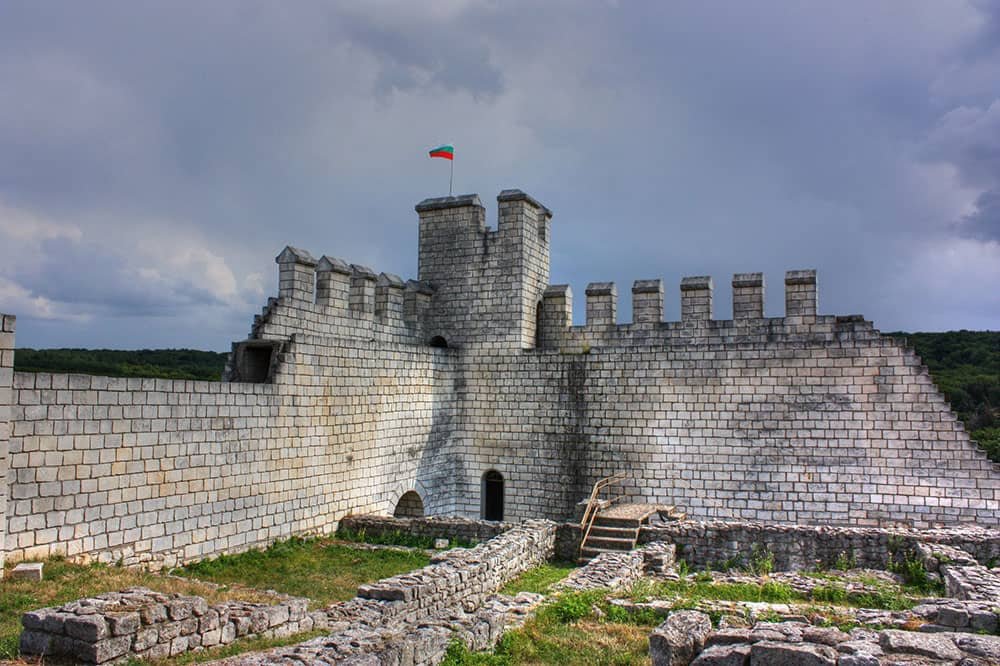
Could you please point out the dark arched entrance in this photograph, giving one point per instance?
(409, 506)
(438, 341)
(493, 495)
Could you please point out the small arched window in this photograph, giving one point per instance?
(492, 495)
(438, 341)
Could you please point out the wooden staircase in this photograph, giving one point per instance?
(614, 527)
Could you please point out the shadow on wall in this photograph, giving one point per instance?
(437, 472)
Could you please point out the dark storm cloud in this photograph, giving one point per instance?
(984, 224)
(414, 52)
(668, 138)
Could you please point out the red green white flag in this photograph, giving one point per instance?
(446, 151)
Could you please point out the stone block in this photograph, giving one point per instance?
(102, 651)
(145, 639)
(778, 653)
(123, 623)
(737, 654)
(153, 613)
(936, 646)
(178, 646)
(679, 639)
(89, 628)
(35, 642)
(27, 571)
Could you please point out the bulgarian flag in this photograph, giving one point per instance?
(446, 151)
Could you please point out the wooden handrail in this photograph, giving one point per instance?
(590, 512)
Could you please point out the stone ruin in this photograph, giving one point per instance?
(470, 392)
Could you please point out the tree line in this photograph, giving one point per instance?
(965, 365)
(158, 363)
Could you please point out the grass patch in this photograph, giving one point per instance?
(770, 591)
(313, 568)
(65, 582)
(238, 647)
(566, 631)
(399, 538)
(539, 579)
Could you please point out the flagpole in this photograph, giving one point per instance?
(451, 178)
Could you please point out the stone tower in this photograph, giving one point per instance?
(487, 284)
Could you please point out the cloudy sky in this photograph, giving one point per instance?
(156, 156)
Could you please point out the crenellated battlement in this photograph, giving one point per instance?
(480, 286)
(696, 305)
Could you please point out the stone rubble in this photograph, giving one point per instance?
(400, 643)
(800, 644)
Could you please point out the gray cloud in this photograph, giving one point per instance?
(669, 140)
(984, 223)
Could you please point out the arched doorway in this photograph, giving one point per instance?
(409, 506)
(438, 341)
(492, 501)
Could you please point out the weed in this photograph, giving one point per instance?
(642, 590)
(761, 561)
(574, 606)
(829, 594)
(912, 569)
(845, 561)
(682, 568)
(642, 616)
(734, 562)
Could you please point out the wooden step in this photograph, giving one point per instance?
(620, 523)
(612, 532)
(606, 543)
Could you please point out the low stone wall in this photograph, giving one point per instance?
(620, 569)
(410, 619)
(453, 596)
(796, 547)
(465, 576)
(144, 624)
(437, 527)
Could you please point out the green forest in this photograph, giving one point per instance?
(965, 366)
(159, 363)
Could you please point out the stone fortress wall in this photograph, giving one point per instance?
(355, 388)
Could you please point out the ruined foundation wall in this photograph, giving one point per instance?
(796, 547)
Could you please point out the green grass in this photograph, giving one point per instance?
(539, 579)
(692, 591)
(398, 538)
(566, 631)
(65, 582)
(233, 649)
(313, 568)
